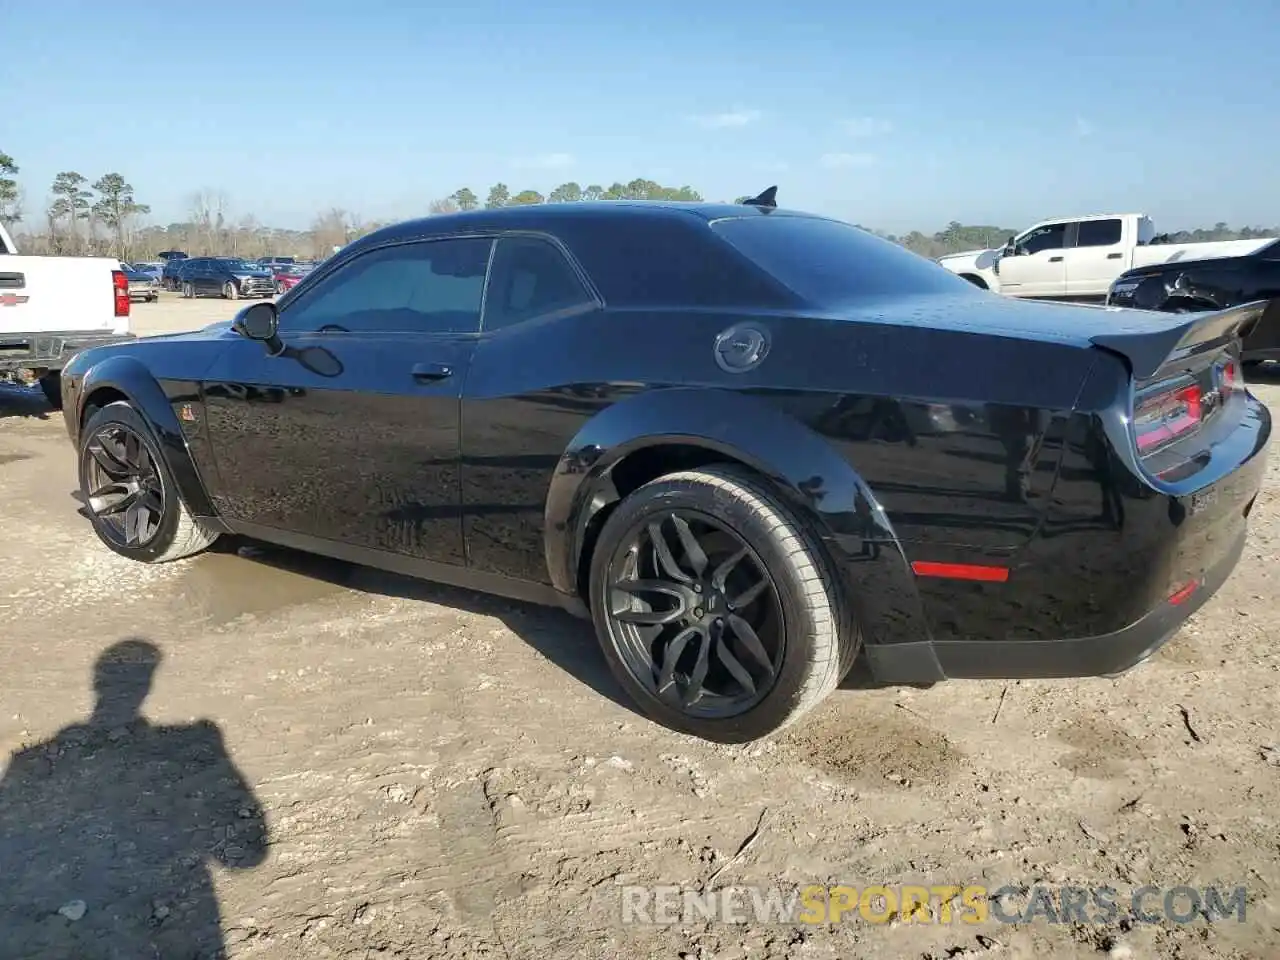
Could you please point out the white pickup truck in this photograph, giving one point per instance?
(52, 307)
(1078, 258)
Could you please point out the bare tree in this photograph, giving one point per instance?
(209, 216)
(329, 230)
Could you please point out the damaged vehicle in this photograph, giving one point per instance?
(749, 445)
(1190, 286)
(1077, 258)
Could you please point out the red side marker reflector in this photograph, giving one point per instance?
(960, 571)
(1184, 592)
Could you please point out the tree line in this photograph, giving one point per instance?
(103, 217)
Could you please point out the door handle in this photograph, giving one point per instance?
(1055, 259)
(431, 372)
(1114, 256)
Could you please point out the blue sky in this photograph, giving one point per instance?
(897, 116)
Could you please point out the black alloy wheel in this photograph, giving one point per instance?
(695, 615)
(129, 491)
(715, 606)
(124, 490)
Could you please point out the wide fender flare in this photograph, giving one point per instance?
(814, 480)
(132, 379)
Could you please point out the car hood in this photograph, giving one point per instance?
(980, 259)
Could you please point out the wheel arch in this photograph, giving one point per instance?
(661, 431)
(976, 280)
(125, 378)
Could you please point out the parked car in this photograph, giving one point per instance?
(142, 286)
(1187, 286)
(229, 277)
(288, 276)
(1078, 258)
(153, 270)
(171, 275)
(695, 425)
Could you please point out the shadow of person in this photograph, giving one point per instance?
(107, 830)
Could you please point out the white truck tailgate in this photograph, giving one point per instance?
(63, 294)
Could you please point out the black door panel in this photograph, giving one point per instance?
(368, 455)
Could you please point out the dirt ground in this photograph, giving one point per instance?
(341, 763)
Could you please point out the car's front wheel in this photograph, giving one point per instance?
(230, 290)
(716, 608)
(129, 491)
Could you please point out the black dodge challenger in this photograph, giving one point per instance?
(750, 444)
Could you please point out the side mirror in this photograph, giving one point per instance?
(260, 322)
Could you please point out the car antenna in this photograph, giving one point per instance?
(766, 199)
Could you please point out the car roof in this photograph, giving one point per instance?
(544, 216)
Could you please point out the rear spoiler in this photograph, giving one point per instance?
(1150, 344)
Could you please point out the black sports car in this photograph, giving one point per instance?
(748, 443)
(1189, 286)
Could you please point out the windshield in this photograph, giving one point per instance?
(241, 265)
(827, 261)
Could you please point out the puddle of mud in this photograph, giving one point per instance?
(221, 587)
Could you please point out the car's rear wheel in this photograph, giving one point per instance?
(230, 290)
(188, 291)
(716, 608)
(129, 491)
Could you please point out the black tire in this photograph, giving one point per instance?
(168, 531)
(819, 639)
(51, 384)
(230, 290)
(188, 291)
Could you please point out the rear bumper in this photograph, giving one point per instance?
(1115, 570)
(1099, 656)
(50, 351)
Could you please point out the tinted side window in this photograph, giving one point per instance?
(427, 287)
(1052, 237)
(1098, 233)
(530, 278)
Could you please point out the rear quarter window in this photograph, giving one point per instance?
(828, 261)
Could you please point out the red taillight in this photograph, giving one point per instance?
(1230, 376)
(1161, 418)
(120, 284)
